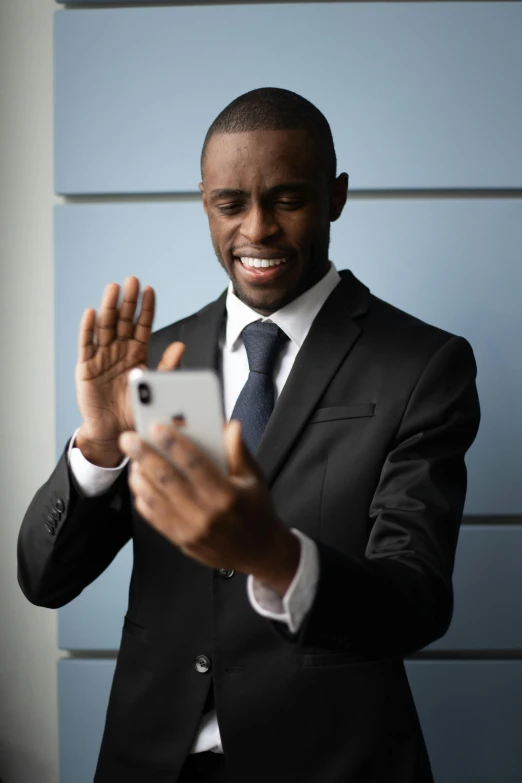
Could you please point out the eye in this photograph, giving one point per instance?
(289, 203)
(228, 208)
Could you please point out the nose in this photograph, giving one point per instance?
(258, 225)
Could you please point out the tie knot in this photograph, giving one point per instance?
(262, 341)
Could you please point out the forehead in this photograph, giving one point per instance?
(261, 154)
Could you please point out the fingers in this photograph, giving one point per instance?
(164, 479)
(170, 507)
(191, 470)
(105, 329)
(171, 357)
(190, 458)
(117, 322)
(143, 328)
(125, 324)
(240, 461)
(86, 347)
(158, 470)
(150, 501)
(232, 438)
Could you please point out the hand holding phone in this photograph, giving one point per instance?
(226, 517)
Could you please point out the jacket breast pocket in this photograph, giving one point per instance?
(134, 650)
(344, 412)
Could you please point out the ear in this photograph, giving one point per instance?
(204, 195)
(339, 195)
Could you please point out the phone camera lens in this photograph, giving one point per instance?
(144, 393)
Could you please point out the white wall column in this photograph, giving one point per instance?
(28, 651)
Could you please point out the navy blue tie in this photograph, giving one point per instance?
(262, 341)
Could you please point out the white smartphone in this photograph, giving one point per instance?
(190, 399)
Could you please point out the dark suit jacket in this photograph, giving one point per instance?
(364, 452)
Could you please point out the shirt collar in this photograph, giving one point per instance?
(295, 318)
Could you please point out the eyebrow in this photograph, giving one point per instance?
(218, 193)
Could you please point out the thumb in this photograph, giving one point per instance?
(240, 461)
(171, 356)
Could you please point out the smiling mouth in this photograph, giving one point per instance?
(260, 271)
(261, 263)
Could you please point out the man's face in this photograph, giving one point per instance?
(268, 200)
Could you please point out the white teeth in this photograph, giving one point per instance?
(262, 262)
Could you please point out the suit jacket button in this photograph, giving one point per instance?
(203, 664)
(226, 573)
(55, 514)
(60, 505)
(51, 520)
(49, 528)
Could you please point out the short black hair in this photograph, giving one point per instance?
(272, 108)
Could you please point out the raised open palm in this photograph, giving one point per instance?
(109, 347)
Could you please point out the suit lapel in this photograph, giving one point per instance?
(331, 337)
(201, 337)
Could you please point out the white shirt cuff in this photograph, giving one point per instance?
(293, 607)
(92, 479)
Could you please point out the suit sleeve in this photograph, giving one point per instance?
(55, 565)
(67, 540)
(399, 597)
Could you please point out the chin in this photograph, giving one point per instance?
(267, 303)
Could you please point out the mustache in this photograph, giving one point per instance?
(236, 251)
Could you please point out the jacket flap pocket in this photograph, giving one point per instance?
(313, 660)
(344, 412)
(134, 629)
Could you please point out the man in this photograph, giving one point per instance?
(269, 609)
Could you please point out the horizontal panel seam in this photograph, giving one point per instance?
(427, 655)
(373, 194)
(94, 5)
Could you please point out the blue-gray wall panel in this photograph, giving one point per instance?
(418, 94)
(166, 245)
(471, 715)
(452, 263)
(470, 711)
(83, 694)
(488, 590)
(94, 620)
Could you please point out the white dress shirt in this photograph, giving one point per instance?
(295, 319)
